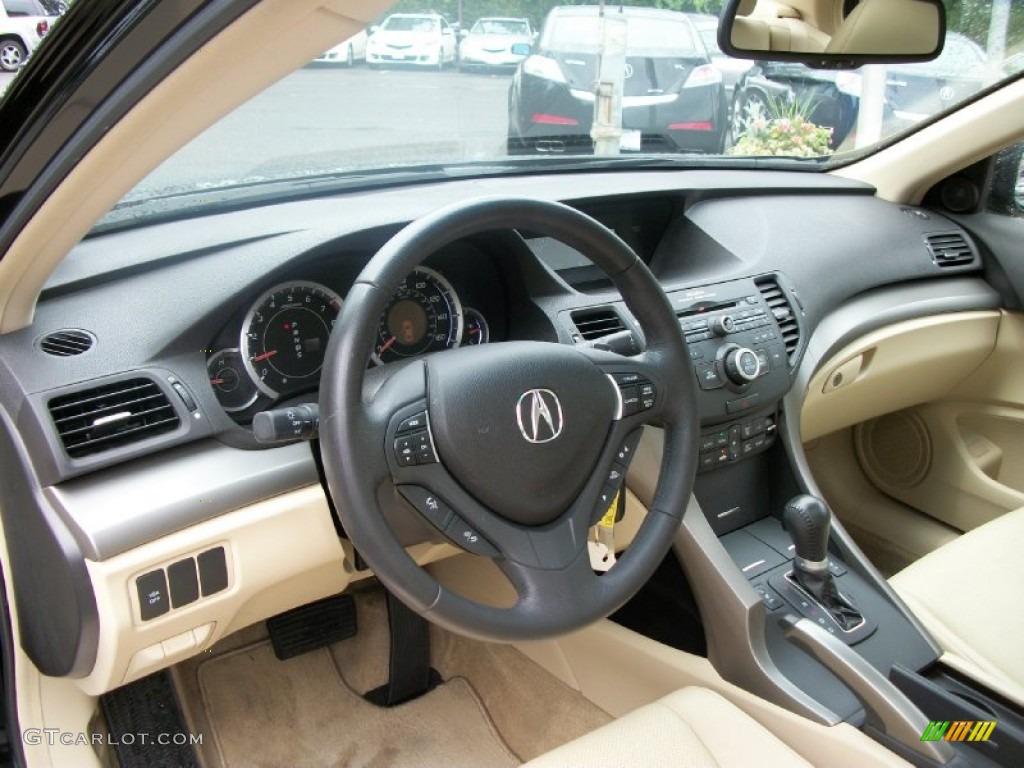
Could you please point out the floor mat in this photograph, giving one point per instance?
(264, 712)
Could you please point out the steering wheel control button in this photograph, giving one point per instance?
(414, 448)
(467, 537)
(413, 423)
(625, 379)
(213, 571)
(153, 598)
(630, 401)
(428, 504)
(625, 454)
(405, 453)
(636, 393)
(184, 582)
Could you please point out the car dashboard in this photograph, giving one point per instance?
(153, 348)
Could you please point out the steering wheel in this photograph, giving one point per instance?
(516, 446)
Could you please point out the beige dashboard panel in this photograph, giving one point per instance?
(896, 367)
(282, 552)
(998, 379)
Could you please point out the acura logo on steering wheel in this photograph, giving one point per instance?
(539, 414)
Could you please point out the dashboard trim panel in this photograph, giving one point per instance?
(174, 490)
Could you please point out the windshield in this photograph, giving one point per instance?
(410, 24)
(505, 27)
(575, 32)
(392, 103)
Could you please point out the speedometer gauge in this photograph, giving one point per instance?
(285, 335)
(424, 315)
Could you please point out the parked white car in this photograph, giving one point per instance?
(423, 39)
(20, 34)
(488, 44)
(347, 52)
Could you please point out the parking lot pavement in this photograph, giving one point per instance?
(304, 121)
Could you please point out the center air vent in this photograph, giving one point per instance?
(597, 322)
(949, 249)
(66, 343)
(782, 310)
(110, 416)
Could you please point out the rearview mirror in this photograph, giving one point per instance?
(833, 34)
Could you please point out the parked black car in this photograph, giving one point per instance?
(673, 98)
(913, 91)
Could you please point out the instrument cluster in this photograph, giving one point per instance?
(284, 333)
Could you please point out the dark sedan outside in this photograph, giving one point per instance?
(672, 99)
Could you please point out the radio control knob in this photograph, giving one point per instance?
(742, 365)
(723, 326)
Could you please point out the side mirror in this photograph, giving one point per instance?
(463, 33)
(374, 29)
(521, 49)
(820, 35)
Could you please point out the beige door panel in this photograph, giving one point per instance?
(904, 364)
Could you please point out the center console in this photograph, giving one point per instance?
(792, 611)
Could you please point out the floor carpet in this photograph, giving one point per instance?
(268, 713)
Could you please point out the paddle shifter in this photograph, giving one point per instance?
(808, 520)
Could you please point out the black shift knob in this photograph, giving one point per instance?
(808, 520)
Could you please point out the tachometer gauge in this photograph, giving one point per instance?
(285, 334)
(424, 315)
(475, 329)
(234, 390)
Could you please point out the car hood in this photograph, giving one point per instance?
(645, 75)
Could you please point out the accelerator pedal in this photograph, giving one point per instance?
(312, 626)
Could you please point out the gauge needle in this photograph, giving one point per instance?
(215, 382)
(386, 345)
(264, 356)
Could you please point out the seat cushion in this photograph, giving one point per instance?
(691, 728)
(968, 594)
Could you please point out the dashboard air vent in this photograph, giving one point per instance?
(949, 249)
(67, 343)
(597, 322)
(110, 416)
(782, 310)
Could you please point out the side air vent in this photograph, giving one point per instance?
(949, 249)
(597, 322)
(113, 415)
(782, 310)
(67, 343)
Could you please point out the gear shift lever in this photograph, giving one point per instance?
(808, 521)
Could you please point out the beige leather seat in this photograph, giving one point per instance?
(773, 26)
(691, 728)
(970, 595)
(884, 26)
